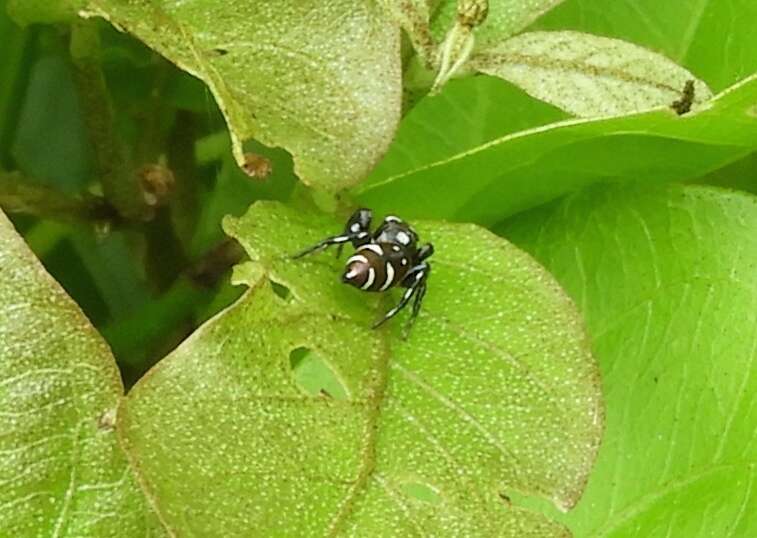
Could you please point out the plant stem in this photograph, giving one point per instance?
(119, 180)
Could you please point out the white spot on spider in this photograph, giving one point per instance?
(392, 218)
(355, 227)
(404, 261)
(371, 278)
(403, 238)
(389, 276)
(395, 248)
(362, 234)
(357, 258)
(374, 248)
(351, 274)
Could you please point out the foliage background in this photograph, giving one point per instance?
(660, 263)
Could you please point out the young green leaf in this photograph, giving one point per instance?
(589, 75)
(666, 279)
(494, 179)
(505, 18)
(61, 470)
(493, 392)
(320, 79)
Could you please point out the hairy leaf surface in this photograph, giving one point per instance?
(666, 279)
(61, 470)
(589, 75)
(320, 79)
(493, 392)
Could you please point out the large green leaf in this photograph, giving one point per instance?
(321, 79)
(493, 392)
(666, 279)
(520, 170)
(61, 470)
(712, 38)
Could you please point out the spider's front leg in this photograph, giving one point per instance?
(356, 231)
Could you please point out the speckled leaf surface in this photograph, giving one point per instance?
(666, 279)
(413, 16)
(491, 180)
(588, 75)
(320, 79)
(506, 18)
(493, 392)
(61, 470)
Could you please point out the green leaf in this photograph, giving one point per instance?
(61, 470)
(740, 175)
(44, 11)
(666, 279)
(493, 392)
(506, 18)
(320, 79)
(492, 180)
(588, 75)
(712, 38)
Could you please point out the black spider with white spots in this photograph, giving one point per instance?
(388, 257)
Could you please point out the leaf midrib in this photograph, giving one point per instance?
(368, 452)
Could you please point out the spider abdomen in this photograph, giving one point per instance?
(377, 266)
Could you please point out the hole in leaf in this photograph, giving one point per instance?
(280, 290)
(422, 492)
(314, 375)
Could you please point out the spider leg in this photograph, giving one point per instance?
(356, 231)
(416, 280)
(416, 306)
(322, 245)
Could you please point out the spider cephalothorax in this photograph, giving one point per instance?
(388, 257)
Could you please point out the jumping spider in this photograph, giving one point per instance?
(383, 259)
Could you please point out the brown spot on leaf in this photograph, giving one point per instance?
(257, 166)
